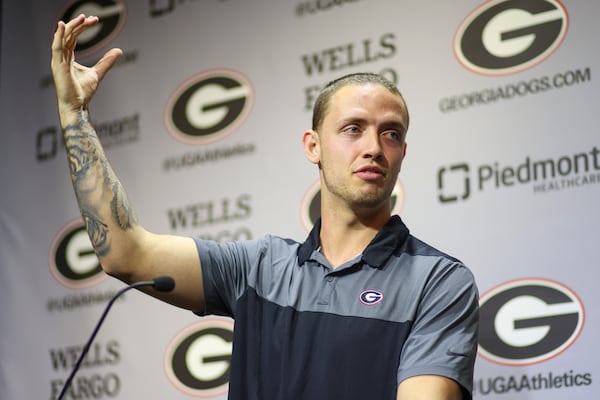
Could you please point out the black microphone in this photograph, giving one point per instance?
(160, 284)
(163, 284)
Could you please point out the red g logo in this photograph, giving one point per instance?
(208, 106)
(528, 321)
(199, 358)
(503, 37)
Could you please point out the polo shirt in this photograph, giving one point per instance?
(304, 330)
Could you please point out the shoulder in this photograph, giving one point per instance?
(267, 244)
(435, 266)
(416, 247)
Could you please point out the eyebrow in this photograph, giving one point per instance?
(391, 124)
(351, 120)
(395, 125)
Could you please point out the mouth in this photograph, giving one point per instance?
(370, 173)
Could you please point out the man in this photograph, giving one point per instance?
(361, 309)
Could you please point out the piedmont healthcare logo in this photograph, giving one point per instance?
(112, 14)
(198, 359)
(311, 203)
(209, 106)
(528, 321)
(459, 181)
(503, 37)
(72, 259)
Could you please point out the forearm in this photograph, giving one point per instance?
(102, 201)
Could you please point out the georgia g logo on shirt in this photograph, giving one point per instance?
(371, 297)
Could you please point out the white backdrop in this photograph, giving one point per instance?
(502, 171)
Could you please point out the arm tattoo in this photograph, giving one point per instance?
(98, 233)
(82, 146)
(96, 186)
(123, 213)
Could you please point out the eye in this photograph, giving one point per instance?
(351, 129)
(393, 135)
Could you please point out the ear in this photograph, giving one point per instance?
(312, 147)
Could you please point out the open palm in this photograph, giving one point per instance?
(75, 83)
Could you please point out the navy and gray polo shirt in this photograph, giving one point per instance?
(304, 330)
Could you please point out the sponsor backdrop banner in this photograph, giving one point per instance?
(202, 119)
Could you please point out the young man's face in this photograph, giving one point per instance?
(362, 145)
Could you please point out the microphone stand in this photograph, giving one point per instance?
(158, 284)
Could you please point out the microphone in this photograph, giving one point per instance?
(160, 284)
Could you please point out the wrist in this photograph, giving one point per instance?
(71, 115)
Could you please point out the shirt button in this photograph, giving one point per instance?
(329, 278)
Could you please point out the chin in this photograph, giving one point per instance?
(372, 202)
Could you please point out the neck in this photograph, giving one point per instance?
(345, 233)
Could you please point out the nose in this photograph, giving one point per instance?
(372, 147)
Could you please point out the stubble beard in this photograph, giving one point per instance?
(373, 197)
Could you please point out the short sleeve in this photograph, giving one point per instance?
(443, 338)
(225, 270)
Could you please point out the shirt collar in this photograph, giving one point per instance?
(388, 239)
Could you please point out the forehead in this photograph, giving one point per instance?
(368, 99)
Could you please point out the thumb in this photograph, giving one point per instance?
(107, 62)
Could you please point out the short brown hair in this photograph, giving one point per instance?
(361, 78)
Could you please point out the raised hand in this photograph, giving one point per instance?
(76, 84)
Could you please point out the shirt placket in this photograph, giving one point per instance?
(327, 289)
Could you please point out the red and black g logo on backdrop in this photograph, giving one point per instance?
(209, 106)
(112, 14)
(527, 321)
(198, 359)
(72, 259)
(503, 37)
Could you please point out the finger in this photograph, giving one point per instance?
(57, 46)
(74, 28)
(69, 26)
(58, 37)
(59, 55)
(79, 27)
(70, 33)
(107, 62)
